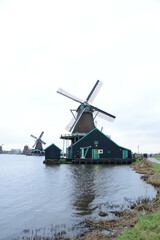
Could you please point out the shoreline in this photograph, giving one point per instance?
(127, 219)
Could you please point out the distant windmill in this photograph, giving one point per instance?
(38, 143)
(1, 148)
(83, 120)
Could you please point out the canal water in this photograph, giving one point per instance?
(36, 199)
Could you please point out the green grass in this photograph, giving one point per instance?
(158, 158)
(148, 226)
(137, 161)
(156, 168)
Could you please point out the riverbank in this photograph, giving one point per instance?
(141, 221)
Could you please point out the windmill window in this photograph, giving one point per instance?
(109, 151)
(95, 142)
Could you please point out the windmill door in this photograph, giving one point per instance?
(125, 154)
(95, 154)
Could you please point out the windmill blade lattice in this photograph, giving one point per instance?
(66, 94)
(103, 114)
(70, 124)
(33, 136)
(41, 135)
(77, 119)
(94, 91)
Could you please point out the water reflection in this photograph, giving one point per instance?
(84, 188)
(107, 188)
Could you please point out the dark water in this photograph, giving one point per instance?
(44, 200)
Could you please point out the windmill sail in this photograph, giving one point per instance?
(70, 124)
(66, 94)
(94, 91)
(103, 114)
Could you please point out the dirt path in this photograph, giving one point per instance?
(153, 160)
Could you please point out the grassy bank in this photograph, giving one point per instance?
(148, 226)
(158, 157)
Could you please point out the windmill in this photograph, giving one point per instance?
(38, 143)
(83, 117)
(1, 148)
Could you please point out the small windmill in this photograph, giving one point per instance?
(83, 118)
(38, 143)
(1, 148)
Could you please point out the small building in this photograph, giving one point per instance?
(52, 152)
(96, 145)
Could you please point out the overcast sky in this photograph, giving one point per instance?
(71, 44)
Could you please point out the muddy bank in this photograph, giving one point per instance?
(150, 176)
(111, 228)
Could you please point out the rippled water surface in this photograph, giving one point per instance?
(35, 198)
